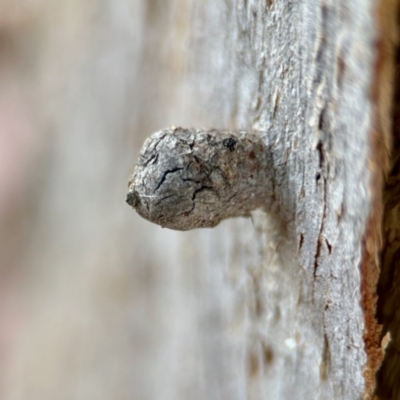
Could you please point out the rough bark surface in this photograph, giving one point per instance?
(303, 72)
(311, 65)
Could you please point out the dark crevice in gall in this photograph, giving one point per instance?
(171, 171)
(153, 159)
(197, 159)
(187, 213)
(197, 191)
(165, 198)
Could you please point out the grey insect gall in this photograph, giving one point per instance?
(191, 178)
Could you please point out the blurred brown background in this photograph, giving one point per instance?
(97, 303)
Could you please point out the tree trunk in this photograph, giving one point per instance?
(292, 310)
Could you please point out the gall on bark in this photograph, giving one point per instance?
(191, 178)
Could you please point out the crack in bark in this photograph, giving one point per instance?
(320, 238)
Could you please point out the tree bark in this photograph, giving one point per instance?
(317, 79)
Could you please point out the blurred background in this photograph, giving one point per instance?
(97, 303)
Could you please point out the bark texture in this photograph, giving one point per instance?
(312, 331)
